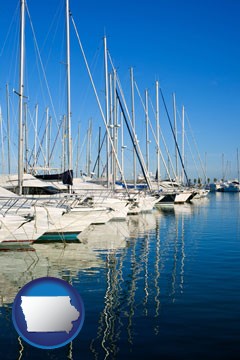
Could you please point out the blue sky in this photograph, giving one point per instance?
(191, 47)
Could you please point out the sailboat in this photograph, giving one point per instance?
(22, 221)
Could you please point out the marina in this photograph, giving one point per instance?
(106, 182)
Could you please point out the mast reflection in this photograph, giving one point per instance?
(142, 263)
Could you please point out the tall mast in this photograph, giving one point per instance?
(49, 142)
(106, 107)
(147, 131)
(78, 151)
(26, 137)
(69, 135)
(35, 137)
(133, 126)
(115, 128)
(111, 157)
(237, 166)
(20, 92)
(205, 167)
(158, 134)
(223, 170)
(88, 152)
(175, 131)
(46, 141)
(63, 143)
(99, 150)
(8, 129)
(122, 142)
(183, 134)
(2, 145)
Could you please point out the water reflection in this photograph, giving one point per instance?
(133, 278)
(140, 263)
(58, 260)
(21, 348)
(157, 273)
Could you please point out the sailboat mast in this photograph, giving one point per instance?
(35, 137)
(158, 134)
(21, 86)
(46, 141)
(8, 129)
(223, 168)
(106, 107)
(237, 165)
(99, 150)
(183, 134)
(2, 144)
(147, 131)
(69, 135)
(49, 142)
(26, 137)
(175, 131)
(111, 157)
(88, 152)
(122, 142)
(115, 127)
(63, 143)
(78, 151)
(133, 126)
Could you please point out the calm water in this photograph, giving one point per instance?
(162, 285)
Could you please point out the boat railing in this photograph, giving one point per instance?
(13, 204)
(88, 197)
(17, 204)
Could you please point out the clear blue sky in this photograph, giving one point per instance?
(191, 47)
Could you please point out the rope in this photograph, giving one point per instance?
(150, 123)
(42, 67)
(9, 29)
(133, 134)
(174, 136)
(53, 223)
(3, 225)
(134, 144)
(195, 143)
(98, 101)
